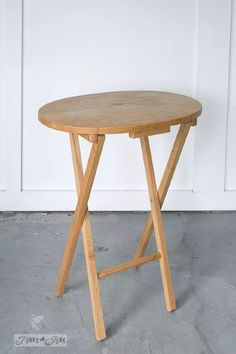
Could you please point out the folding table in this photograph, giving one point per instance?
(140, 114)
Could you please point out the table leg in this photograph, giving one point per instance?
(88, 246)
(79, 215)
(158, 225)
(164, 185)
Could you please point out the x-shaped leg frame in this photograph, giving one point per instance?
(81, 221)
(164, 185)
(157, 198)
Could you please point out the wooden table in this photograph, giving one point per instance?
(140, 114)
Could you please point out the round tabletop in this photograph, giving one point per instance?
(119, 112)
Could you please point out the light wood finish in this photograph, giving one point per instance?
(144, 239)
(88, 245)
(131, 264)
(140, 114)
(79, 214)
(164, 186)
(158, 225)
(149, 132)
(132, 112)
(92, 138)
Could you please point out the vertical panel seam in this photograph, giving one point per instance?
(22, 90)
(195, 84)
(228, 93)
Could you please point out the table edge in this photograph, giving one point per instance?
(142, 128)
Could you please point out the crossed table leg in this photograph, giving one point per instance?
(164, 185)
(81, 221)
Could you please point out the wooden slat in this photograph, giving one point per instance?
(88, 246)
(158, 225)
(173, 160)
(148, 132)
(128, 265)
(79, 214)
(92, 138)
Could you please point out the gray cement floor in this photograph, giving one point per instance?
(202, 249)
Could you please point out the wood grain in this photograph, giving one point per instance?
(128, 265)
(139, 113)
(158, 225)
(80, 212)
(88, 246)
(134, 112)
(164, 185)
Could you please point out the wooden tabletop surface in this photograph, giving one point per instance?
(119, 112)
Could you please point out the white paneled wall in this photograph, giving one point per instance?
(51, 49)
(2, 94)
(230, 180)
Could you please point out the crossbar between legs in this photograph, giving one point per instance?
(131, 264)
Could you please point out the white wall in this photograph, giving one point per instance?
(51, 49)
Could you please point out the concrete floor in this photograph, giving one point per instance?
(202, 249)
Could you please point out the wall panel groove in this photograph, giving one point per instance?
(212, 91)
(230, 158)
(13, 94)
